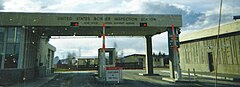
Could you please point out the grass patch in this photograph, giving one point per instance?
(61, 70)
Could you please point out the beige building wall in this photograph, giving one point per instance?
(81, 62)
(196, 53)
(92, 61)
(135, 58)
(158, 62)
(45, 57)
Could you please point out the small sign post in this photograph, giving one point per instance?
(114, 74)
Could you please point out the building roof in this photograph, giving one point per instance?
(134, 55)
(87, 57)
(224, 29)
(50, 46)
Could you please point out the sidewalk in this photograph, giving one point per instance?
(220, 76)
(35, 83)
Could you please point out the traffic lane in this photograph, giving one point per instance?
(83, 80)
(142, 81)
(153, 81)
(72, 79)
(61, 80)
(157, 80)
(89, 80)
(131, 79)
(86, 79)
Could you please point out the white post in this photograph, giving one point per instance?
(194, 74)
(189, 74)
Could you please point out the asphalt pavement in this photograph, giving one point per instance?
(131, 79)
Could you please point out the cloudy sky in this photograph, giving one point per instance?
(197, 14)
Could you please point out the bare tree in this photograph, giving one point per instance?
(70, 57)
(79, 51)
(116, 49)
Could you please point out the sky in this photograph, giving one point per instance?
(197, 15)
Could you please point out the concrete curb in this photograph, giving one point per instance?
(169, 79)
(175, 80)
(145, 74)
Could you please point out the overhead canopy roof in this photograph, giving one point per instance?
(59, 24)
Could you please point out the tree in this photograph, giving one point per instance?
(163, 54)
(154, 54)
(79, 51)
(55, 60)
(116, 49)
(159, 54)
(70, 57)
(59, 62)
(115, 45)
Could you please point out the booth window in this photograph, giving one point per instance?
(12, 47)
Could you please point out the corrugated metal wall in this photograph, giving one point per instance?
(194, 54)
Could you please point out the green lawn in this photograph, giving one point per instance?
(61, 70)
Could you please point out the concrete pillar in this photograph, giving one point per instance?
(149, 59)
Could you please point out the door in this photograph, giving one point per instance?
(210, 61)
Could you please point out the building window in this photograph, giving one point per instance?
(140, 59)
(12, 47)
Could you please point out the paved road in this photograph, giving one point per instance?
(131, 79)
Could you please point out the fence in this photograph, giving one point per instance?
(130, 65)
(77, 67)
